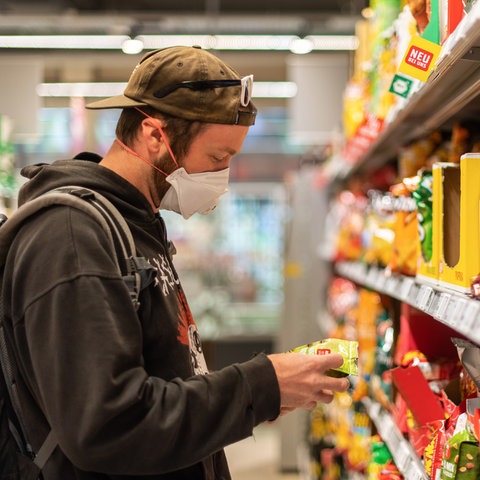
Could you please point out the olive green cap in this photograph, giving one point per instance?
(154, 82)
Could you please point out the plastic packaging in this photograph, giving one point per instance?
(347, 348)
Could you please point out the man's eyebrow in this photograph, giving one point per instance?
(229, 150)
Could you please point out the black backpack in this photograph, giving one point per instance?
(18, 461)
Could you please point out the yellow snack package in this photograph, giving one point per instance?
(347, 348)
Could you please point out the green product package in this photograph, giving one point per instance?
(347, 348)
(423, 198)
(461, 460)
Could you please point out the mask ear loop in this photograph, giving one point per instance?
(129, 150)
(162, 134)
(165, 141)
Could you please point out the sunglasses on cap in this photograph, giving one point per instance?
(245, 96)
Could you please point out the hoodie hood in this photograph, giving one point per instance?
(84, 171)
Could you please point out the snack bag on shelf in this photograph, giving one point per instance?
(390, 472)
(433, 454)
(423, 196)
(406, 242)
(357, 446)
(380, 456)
(439, 372)
(378, 234)
(382, 100)
(347, 348)
(380, 382)
(473, 416)
(350, 211)
(415, 157)
(424, 410)
(461, 458)
(369, 308)
(383, 65)
(342, 297)
(459, 143)
(420, 13)
(354, 100)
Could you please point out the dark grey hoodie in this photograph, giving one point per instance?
(126, 394)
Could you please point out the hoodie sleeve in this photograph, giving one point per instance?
(80, 342)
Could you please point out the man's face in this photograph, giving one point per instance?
(213, 148)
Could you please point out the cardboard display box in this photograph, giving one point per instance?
(459, 239)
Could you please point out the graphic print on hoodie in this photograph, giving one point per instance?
(188, 334)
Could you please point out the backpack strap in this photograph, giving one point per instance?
(46, 450)
(136, 272)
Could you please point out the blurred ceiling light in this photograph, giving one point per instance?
(218, 42)
(132, 46)
(87, 42)
(91, 89)
(301, 46)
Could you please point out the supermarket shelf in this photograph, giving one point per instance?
(459, 311)
(402, 451)
(452, 93)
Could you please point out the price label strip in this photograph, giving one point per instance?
(454, 311)
(371, 277)
(405, 288)
(413, 294)
(441, 310)
(433, 307)
(469, 322)
(424, 298)
(380, 281)
(391, 286)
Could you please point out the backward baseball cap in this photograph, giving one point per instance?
(162, 69)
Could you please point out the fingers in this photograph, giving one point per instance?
(303, 379)
(332, 360)
(335, 384)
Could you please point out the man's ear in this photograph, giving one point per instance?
(151, 133)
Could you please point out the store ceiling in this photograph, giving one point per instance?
(168, 17)
(300, 17)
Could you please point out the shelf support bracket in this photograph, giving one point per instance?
(473, 54)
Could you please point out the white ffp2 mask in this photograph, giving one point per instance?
(194, 192)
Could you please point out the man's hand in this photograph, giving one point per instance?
(302, 379)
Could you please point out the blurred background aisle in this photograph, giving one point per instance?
(257, 457)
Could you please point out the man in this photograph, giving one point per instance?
(127, 393)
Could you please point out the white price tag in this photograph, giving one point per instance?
(443, 301)
(407, 284)
(414, 471)
(391, 286)
(360, 271)
(454, 311)
(402, 456)
(424, 297)
(409, 469)
(374, 412)
(433, 307)
(413, 294)
(380, 281)
(371, 276)
(450, 316)
(353, 270)
(341, 269)
(470, 317)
